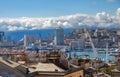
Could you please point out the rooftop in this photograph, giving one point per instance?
(8, 68)
(50, 67)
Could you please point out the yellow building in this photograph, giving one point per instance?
(77, 73)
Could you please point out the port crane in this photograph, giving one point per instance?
(93, 47)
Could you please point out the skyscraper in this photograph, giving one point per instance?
(59, 36)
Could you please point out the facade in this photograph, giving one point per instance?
(29, 39)
(59, 36)
(77, 44)
(51, 70)
(78, 73)
(75, 73)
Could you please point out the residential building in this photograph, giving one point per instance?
(116, 71)
(77, 44)
(9, 68)
(51, 70)
(29, 39)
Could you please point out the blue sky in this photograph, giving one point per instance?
(49, 8)
(42, 14)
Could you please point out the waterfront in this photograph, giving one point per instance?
(91, 54)
(60, 38)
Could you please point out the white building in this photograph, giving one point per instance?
(77, 44)
(29, 39)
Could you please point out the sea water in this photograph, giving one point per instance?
(91, 54)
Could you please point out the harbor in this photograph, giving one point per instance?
(67, 54)
(59, 38)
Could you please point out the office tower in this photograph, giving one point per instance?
(25, 41)
(59, 36)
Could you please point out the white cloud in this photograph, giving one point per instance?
(102, 19)
(118, 14)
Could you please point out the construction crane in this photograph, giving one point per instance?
(93, 47)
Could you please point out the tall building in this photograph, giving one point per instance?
(1, 36)
(59, 36)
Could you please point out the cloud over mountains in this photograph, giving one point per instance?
(102, 19)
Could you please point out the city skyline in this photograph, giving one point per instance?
(59, 38)
(42, 14)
